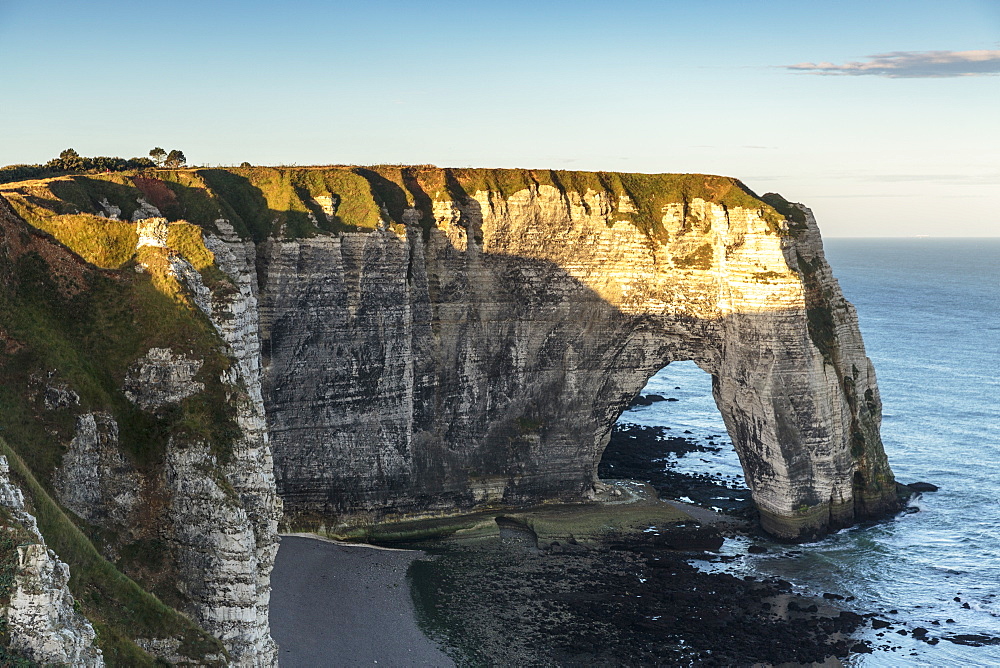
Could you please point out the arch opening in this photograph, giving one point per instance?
(673, 435)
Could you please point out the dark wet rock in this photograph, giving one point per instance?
(649, 453)
(757, 549)
(724, 620)
(919, 632)
(832, 597)
(923, 487)
(881, 624)
(852, 618)
(973, 639)
(626, 604)
(639, 401)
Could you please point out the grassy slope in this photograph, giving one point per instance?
(57, 313)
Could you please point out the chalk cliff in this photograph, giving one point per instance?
(404, 341)
(485, 358)
(38, 614)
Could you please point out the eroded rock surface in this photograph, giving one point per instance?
(95, 480)
(217, 555)
(229, 524)
(161, 378)
(41, 620)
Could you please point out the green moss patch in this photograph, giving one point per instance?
(700, 258)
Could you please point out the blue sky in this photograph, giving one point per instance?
(884, 147)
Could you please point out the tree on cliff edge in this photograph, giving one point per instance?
(70, 160)
(158, 155)
(175, 159)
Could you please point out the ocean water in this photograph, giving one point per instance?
(929, 311)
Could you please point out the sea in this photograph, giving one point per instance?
(929, 312)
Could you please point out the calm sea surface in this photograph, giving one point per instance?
(930, 315)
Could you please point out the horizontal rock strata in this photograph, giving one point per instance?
(485, 359)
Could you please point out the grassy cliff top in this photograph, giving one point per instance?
(295, 202)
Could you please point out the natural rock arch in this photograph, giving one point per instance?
(486, 358)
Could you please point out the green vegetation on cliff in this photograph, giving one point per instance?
(648, 193)
(69, 161)
(91, 326)
(296, 202)
(793, 213)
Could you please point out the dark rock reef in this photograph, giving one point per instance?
(632, 600)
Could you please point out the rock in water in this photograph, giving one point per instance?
(922, 487)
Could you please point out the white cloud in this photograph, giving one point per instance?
(985, 179)
(913, 64)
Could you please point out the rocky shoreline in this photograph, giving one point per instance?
(629, 597)
(633, 602)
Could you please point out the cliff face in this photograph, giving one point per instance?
(487, 358)
(39, 614)
(231, 523)
(405, 341)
